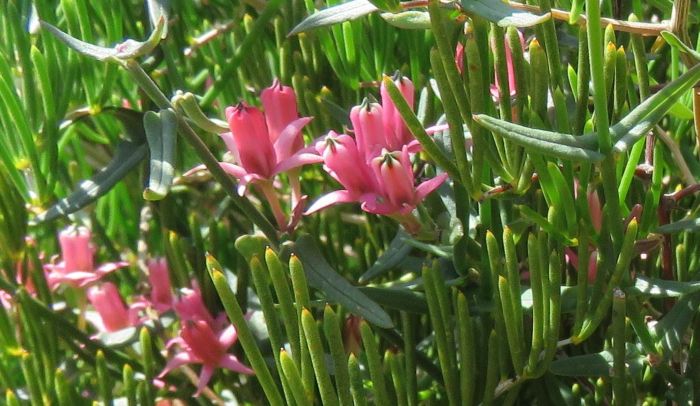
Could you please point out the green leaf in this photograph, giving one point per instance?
(502, 14)
(545, 142)
(679, 110)
(595, 365)
(128, 154)
(158, 9)
(324, 278)
(392, 257)
(661, 288)
(410, 19)
(692, 225)
(161, 134)
(397, 298)
(333, 15)
(128, 49)
(672, 327)
(676, 42)
(642, 118)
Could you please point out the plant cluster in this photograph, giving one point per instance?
(348, 203)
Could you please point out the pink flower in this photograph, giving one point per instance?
(395, 176)
(190, 306)
(159, 278)
(108, 303)
(77, 268)
(386, 187)
(395, 130)
(265, 145)
(368, 123)
(511, 71)
(200, 345)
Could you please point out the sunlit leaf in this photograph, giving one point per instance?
(502, 14)
(334, 15)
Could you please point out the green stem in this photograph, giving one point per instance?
(595, 46)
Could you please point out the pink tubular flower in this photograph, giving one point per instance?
(108, 303)
(395, 130)
(201, 345)
(368, 123)
(77, 268)
(395, 176)
(161, 292)
(264, 145)
(385, 187)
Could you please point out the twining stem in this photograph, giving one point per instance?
(208, 159)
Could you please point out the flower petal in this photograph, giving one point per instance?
(177, 361)
(428, 186)
(290, 141)
(296, 161)
(204, 377)
(228, 336)
(335, 197)
(231, 362)
(108, 267)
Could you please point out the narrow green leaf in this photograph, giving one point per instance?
(545, 142)
(392, 257)
(128, 49)
(661, 288)
(397, 298)
(158, 9)
(671, 329)
(502, 14)
(333, 15)
(595, 365)
(409, 19)
(676, 42)
(691, 225)
(127, 155)
(161, 133)
(324, 278)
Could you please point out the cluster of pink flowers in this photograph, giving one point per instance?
(374, 167)
(202, 339)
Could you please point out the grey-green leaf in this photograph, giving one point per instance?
(691, 225)
(126, 157)
(126, 50)
(502, 14)
(409, 19)
(394, 254)
(156, 10)
(545, 142)
(161, 133)
(324, 278)
(594, 365)
(676, 42)
(333, 15)
(672, 327)
(661, 288)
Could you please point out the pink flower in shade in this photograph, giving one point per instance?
(161, 297)
(190, 306)
(199, 344)
(108, 303)
(77, 268)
